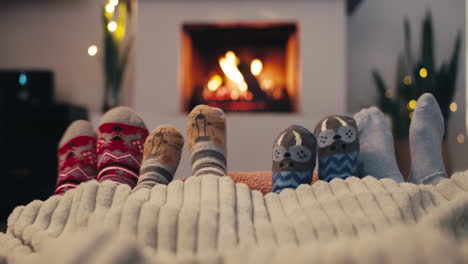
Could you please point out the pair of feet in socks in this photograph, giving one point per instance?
(343, 151)
(295, 149)
(206, 134)
(124, 152)
(114, 153)
(425, 135)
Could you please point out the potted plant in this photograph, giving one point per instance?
(413, 78)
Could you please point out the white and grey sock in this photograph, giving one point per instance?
(206, 136)
(161, 157)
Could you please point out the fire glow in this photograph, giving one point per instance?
(250, 66)
(234, 87)
(229, 66)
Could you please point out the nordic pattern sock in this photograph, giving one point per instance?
(121, 135)
(426, 133)
(76, 156)
(206, 135)
(376, 147)
(161, 157)
(293, 158)
(338, 147)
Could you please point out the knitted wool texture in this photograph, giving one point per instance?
(210, 218)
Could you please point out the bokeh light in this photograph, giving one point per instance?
(92, 50)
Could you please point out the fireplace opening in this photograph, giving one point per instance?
(240, 67)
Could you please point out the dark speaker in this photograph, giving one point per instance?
(27, 86)
(31, 126)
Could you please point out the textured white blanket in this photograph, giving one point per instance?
(211, 219)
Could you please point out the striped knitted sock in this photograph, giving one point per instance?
(120, 140)
(77, 156)
(338, 147)
(206, 135)
(161, 157)
(293, 158)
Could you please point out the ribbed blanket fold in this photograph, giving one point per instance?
(211, 219)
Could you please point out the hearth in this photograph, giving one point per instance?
(240, 66)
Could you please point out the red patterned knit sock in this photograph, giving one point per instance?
(121, 136)
(77, 156)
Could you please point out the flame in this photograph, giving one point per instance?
(231, 57)
(229, 67)
(214, 83)
(235, 95)
(249, 96)
(267, 85)
(243, 87)
(256, 67)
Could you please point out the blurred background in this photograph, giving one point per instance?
(267, 63)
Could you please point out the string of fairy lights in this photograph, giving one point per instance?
(408, 80)
(112, 26)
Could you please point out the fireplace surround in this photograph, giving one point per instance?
(248, 66)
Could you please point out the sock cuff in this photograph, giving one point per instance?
(433, 178)
(147, 164)
(393, 175)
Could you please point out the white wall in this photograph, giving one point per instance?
(55, 35)
(375, 38)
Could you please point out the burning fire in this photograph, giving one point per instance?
(214, 83)
(235, 85)
(229, 66)
(256, 67)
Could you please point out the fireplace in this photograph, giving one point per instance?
(240, 66)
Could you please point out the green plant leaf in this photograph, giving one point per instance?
(402, 89)
(385, 103)
(408, 50)
(427, 44)
(453, 64)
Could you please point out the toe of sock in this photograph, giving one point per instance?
(375, 111)
(361, 115)
(301, 128)
(427, 112)
(207, 108)
(76, 129)
(425, 100)
(123, 115)
(169, 128)
(365, 116)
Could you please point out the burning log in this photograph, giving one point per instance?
(252, 82)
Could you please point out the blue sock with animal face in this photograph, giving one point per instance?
(338, 147)
(293, 158)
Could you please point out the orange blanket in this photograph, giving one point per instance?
(257, 180)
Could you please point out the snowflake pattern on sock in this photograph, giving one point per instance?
(120, 151)
(77, 163)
